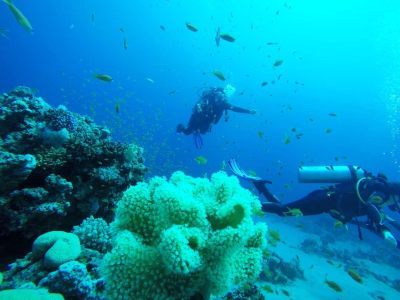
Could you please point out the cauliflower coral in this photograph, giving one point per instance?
(184, 237)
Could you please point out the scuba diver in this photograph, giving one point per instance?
(208, 110)
(355, 193)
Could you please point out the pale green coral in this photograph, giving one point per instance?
(184, 236)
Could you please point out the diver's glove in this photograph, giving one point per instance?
(388, 236)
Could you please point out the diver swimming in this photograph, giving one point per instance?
(355, 193)
(208, 110)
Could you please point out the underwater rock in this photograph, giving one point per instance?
(55, 166)
(56, 248)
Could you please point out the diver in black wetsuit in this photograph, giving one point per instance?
(366, 196)
(208, 111)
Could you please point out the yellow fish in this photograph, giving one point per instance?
(191, 27)
(278, 62)
(252, 173)
(219, 75)
(286, 140)
(293, 212)
(103, 77)
(355, 275)
(201, 160)
(19, 16)
(333, 285)
(227, 37)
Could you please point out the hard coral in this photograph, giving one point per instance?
(40, 144)
(182, 237)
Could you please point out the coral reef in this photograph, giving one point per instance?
(57, 168)
(245, 292)
(94, 233)
(72, 280)
(278, 271)
(183, 237)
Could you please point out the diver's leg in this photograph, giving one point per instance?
(317, 202)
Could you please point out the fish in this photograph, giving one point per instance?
(219, 75)
(295, 212)
(355, 275)
(162, 27)
(273, 237)
(333, 285)
(103, 77)
(332, 114)
(19, 16)
(267, 288)
(149, 80)
(260, 134)
(217, 37)
(122, 30)
(329, 168)
(117, 107)
(191, 27)
(272, 43)
(264, 83)
(328, 130)
(227, 37)
(3, 32)
(294, 129)
(278, 62)
(93, 18)
(286, 140)
(285, 292)
(125, 44)
(299, 135)
(252, 173)
(287, 186)
(201, 160)
(338, 224)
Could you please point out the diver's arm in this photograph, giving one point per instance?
(240, 109)
(377, 219)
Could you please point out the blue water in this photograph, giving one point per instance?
(338, 57)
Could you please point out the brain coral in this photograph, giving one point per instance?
(183, 237)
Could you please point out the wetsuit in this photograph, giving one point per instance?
(343, 203)
(209, 110)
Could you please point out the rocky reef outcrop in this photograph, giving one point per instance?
(57, 168)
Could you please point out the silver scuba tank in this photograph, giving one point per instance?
(330, 174)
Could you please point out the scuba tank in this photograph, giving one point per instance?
(330, 174)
